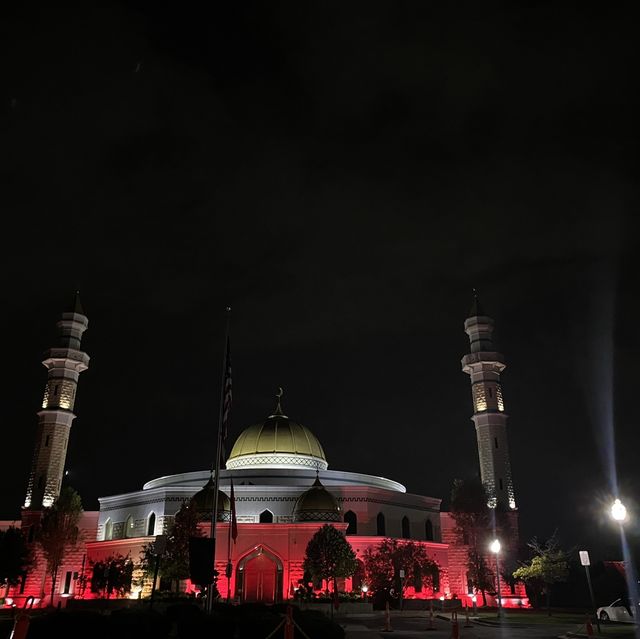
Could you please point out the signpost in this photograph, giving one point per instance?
(585, 561)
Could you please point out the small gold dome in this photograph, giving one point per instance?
(277, 441)
(203, 502)
(316, 504)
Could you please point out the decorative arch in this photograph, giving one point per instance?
(352, 520)
(240, 571)
(108, 530)
(428, 530)
(128, 527)
(381, 525)
(266, 516)
(151, 524)
(406, 528)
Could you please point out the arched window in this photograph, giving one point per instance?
(381, 525)
(151, 524)
(266, 517)
(352, 520)
(108, 530)
(406, 528)
(428, 531)
(128, 527)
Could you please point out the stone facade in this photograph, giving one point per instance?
(64, 364)
(484, 366)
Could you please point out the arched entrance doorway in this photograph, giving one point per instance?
(259, 577)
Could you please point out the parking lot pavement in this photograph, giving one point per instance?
(415, 627)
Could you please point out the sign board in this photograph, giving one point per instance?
(584, 557)
(401, 573)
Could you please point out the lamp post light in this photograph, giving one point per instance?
(618, 511)
(620, 515)
(495, 549)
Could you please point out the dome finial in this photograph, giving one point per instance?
(279, 394)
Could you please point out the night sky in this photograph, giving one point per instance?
(341, 174)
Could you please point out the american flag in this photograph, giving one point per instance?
(226, 400)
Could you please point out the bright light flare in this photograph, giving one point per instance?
(495, 546)
(618, 510)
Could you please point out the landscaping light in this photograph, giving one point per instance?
(495, 546)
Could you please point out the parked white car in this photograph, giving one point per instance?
(619, 610)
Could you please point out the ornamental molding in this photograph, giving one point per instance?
(277, 459)
(144, 503)
(265, 499)
(317, 515)
(387, 503)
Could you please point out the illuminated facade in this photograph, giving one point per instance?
(64, 364)
(284, 491)
(484, 366)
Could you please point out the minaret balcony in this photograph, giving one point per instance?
(486, 358)
(66, 358)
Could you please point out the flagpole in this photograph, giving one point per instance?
(229, 572)
(216, 481)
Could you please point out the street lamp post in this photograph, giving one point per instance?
(495, 549)
(619, 514)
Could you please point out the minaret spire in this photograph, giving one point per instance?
(77, 307)
(484, 366)
(476, 307)
(64, 363)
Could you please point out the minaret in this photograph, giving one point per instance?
(484, 365)
(64, 363)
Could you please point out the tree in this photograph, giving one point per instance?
(59, 531)
(475, 525)
(15, 556)
(175, 560)
(479, 575)
(549, 565)
(470, 512)
(114, 574)
(384, 563)
(329, 556)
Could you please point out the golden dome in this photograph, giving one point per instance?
(203, 502)
(278, 442)
(316, 504)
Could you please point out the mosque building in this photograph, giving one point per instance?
(284, 491)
